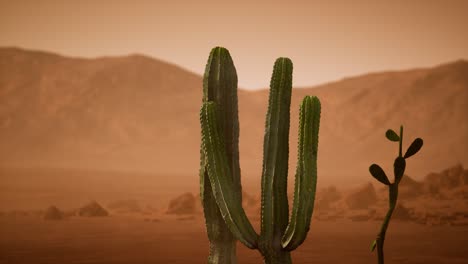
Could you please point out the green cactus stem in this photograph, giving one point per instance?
(219, 176)
(378, 173)
(220, 87)
(274, 212)
(220, 182)
(306, 174)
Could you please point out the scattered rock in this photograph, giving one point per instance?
(326, 198)
(461, 193)
(460, 222)
(362, 198)
(402, 213)
(183, 204)
(249, 201)
(446, 180)
(70, 213)
(93, 209)
(53, 213)
(461, 214)
(409, 188)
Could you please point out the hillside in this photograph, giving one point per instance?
(135, 113)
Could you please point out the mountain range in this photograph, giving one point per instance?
(136, 113)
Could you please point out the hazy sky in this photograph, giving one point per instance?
(327, 40)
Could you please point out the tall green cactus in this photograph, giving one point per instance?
(220, 87)
(378, 173)
(220, 174)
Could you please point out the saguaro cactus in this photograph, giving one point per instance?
(378, 173)
(220, 174)
(220, 88)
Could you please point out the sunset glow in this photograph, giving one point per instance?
(327, 40)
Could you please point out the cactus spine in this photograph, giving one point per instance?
(220, 173)
(378, 173)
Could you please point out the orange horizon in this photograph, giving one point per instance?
(326, 40)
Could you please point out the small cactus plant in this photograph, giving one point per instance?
(220, 174)
(378, 173)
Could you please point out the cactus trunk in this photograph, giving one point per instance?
(393, 196)
(220, 86)
(279, 257)
(220, 173)
(222, 243)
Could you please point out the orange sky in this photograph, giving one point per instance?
(326, 40)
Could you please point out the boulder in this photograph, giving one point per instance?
(249, 201)
(92, 209)
(409, 188)
(53, 213)
(362, 197)
(327, 197)
(402, 213)
(183, 205)
(448, 179)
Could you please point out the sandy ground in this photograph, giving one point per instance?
(147, 234)
(131, 239)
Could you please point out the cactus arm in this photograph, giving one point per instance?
(220, 86)
(274, 212)
(306, 174)
(220, 178)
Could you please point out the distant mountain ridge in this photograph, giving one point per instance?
(137, 113)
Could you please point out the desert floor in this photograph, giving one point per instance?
(133, 239)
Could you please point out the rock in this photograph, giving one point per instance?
(409, 188)
(402, 213)
(461, 215)
(249, 201)
(183, 204)
(93, 209)
(460, 222)
(446, 180)
(461, 193)
(327, 197)
(53, 213)
(362, 198)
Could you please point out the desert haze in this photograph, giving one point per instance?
(139, 114)
(99, 162)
